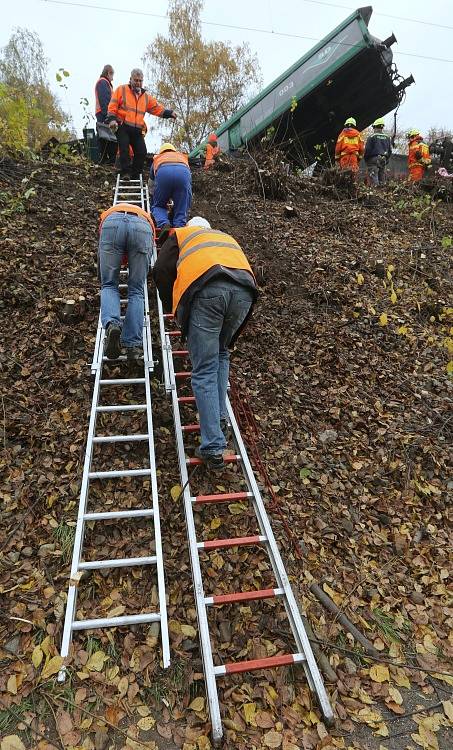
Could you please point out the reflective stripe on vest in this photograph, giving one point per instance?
(196, 257)
(170, 157)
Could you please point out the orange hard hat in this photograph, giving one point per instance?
(212, 138)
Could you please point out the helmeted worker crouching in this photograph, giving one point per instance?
(212, 150)
(126, 115)
(378, 150)
(419, 159)
(349, 148)
(125, 229)
(205, 279)
(172, 181)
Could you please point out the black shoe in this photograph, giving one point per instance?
(224, 426)
(211, 460)
(134, 353)
(112, 341)
(125, 176)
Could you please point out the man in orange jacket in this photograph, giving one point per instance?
(350, 147)
(126, 115)
(125, 229)
(419, 159)
(205, 279)
(212, 150)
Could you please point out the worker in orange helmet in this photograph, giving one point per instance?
(350, 147)
(419, 159)
(212, 150)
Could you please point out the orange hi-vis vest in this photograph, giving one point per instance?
(349, 142)
(169, 157)
(418, 154)
(201, 249)
(130, 109)
(98, 106)
(211, 152)
(130, 209)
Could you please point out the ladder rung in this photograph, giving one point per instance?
(254, 664)
(124, 301)
(115, 622)
(123, 407)
(107, 359)
(243, 596)
(230, 459)
(182, 375)
(123, 286)
(190, 428)
(186, 399)
(168, 316)
(173, 333)
(120, 562)
(122, 381)
(121, 473)
(180, 352)
(120, 438)
(225, 498)
(146, 513)
(238, 541)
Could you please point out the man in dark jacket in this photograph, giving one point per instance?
(102, 94)
(378, 151)
(205, 279)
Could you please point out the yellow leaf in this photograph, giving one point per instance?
(236, 508)
(393, 297)
(383, 320)
(448, 708)
(272, 739)
(197, 704)
(382, 730)
(37, 656)
(111, 673)
(122, 686)
(12, 742)
(249, 713)
(215, 523)
(402, 330)
(11, 685)
(203, 743)
(379, 673)
(96, 661)
(450, 367)
(146, 723)
(143, 710)
(334, 595)
(52, 667)
(175, 491)
(401, 679)
(174, 626)
(188, 630)
(359, 278)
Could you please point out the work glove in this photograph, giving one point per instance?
(113, 125)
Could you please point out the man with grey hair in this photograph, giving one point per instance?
(126, 116)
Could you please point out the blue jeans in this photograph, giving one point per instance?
(216, 313)
(124, 233)
(172, 181)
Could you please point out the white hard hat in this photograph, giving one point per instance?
(198, 221)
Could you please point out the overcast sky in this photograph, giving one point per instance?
(82, 39)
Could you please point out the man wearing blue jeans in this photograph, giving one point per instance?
(205, 279)
(128, 230)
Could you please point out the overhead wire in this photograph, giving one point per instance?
(386, 15)
(234, 26)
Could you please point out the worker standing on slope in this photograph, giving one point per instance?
(349, 149)
(102, 94)
(212, 150)
(378, 150)
(419, 159)
(126, 115)
(125, 229)
(205, 279)
(172, 181)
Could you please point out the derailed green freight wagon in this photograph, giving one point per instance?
(349, 73)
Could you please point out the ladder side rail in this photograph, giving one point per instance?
(203, 625)
(116, 190)
(80, 527)
(303, 644)
(156, 520)
(165, 341)
(98, 347)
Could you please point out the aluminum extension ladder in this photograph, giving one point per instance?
(266, 539)
(135, 192)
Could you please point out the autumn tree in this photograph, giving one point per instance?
(29, 111)
(205, 82)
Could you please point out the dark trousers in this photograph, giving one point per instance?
(130, 136)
